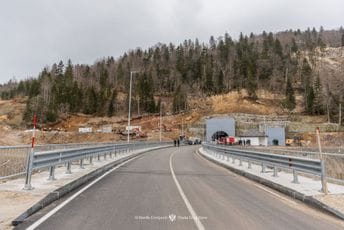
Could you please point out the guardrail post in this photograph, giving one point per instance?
(29, 164)
(275, 172)
(69, 168)
(295, 178)
(263, 168)
(105, 156)
(249, 165)
(82, 163)
(91, 160)
(98, 157)
(52, 173)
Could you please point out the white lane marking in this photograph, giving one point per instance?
(275, 194)
(52, 212)
(185, 199)
(289, 200)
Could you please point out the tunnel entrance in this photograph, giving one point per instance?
(219, 135)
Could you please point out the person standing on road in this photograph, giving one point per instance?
(178, 142)
(175, 142)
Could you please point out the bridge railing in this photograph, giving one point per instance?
(13, 159)
(295, 164)
(51, 159)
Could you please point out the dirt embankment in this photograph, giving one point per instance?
(12, 131)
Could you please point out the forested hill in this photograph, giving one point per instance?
(285, 62)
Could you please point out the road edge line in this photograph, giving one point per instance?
(75, 184)
(308, 200)
(64, 203)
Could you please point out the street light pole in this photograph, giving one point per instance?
(130, 86)
(160, 123)
(323, 165)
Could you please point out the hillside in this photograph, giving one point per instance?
(192, 122)
(295, 75)
(297, 65)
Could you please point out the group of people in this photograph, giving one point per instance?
(176, 142)
(244, 142)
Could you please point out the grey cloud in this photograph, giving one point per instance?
(37, 33)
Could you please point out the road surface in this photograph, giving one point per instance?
(175, 188)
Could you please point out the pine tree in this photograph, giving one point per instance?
(310, 101)
(278, 48)
(318, 101)
(111, 108)
(290, 97)
(219, 82)
(52, 113)
(179, 100)
(306, 72)
(209, 83)
(251, 85)
(293, 48)
(145, 90)
(59, 69)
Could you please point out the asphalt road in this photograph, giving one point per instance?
(176, 188)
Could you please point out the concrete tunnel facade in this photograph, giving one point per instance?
(219, 124)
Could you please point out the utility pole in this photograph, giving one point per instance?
(138, 106)
(323, 168)
(328, 109)
(286, 75)
(160, 122)
(182, 126)
(130, 86)
(340, 114)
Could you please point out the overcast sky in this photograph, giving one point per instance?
(38, 33)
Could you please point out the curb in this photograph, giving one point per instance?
(60, 192)
(310, 200)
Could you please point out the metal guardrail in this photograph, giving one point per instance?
(13, 159)
(310, 153)
(296, 164)
(51, 159)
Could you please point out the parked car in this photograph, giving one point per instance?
(197, 141)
